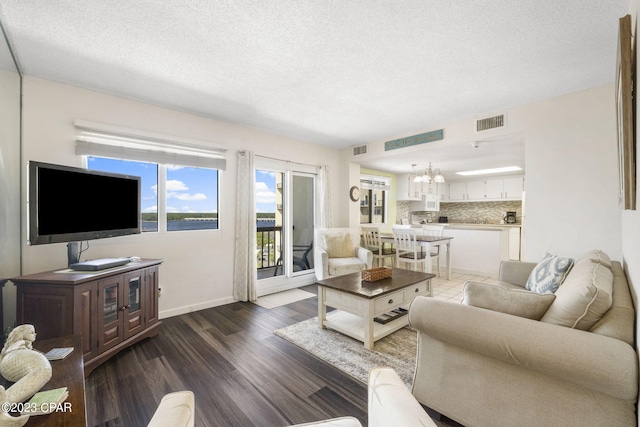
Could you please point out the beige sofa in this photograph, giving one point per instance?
(576, 366)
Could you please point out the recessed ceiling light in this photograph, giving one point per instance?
(493, 170)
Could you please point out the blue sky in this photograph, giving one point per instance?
(188, 189)
(265, 191)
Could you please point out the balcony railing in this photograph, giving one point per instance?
(269, 240)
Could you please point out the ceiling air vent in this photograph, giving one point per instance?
(493, 122)
(359, 150)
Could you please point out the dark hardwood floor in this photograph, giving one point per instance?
(240, 372)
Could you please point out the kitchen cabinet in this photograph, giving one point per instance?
(406, 189)
(112, 309)
(494, 188)
(476, 190)
(457, 191)
(513, 188)
(514, 244)
(486, 190)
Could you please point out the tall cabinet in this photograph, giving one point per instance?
(112, 309)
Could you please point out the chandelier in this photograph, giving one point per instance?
(430, 175)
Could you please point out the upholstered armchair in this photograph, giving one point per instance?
(337, 252)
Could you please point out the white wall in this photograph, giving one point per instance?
(198, 268)
(571, 179)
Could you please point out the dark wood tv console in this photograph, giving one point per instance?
(112, 309)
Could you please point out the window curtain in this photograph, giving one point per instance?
(244, 275)
(325, 219)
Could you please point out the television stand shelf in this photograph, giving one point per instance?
(112, 308)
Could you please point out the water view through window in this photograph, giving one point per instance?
(191, 193)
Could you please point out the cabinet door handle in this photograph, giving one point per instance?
(417, 290)
(391, 301)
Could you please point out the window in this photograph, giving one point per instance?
(180, 176)
(191, 193)
(148, 172)
(192, 198)
(373, 199)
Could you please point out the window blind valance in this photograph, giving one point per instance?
(95, 139)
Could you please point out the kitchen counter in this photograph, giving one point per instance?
(472, 226)
(479, 248)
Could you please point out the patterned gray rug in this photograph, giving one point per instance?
(397, 350)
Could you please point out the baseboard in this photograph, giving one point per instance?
(163, 314)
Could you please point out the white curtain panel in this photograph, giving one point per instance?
(325, 220)
(244, 275)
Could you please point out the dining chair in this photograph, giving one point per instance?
(434, 251)
(407, 248)
(372, 241)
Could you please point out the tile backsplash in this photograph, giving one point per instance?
(469, 212)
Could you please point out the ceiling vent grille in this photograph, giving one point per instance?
(488, 123)
(360, 150)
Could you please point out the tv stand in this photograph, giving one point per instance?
(112, 309)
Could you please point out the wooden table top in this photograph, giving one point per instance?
(353, 283)
(420, 237)
(68, 372)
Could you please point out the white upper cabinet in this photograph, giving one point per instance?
(457, 191)
(476, 190)
(513, 188)
(406, 189)
(494, 189)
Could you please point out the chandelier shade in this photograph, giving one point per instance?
(430, 175)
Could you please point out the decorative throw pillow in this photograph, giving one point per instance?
(583, 298)
(599, 257)
(548, 274)
(510, 301)
(338, 245)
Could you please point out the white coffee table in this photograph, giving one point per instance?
(357, 303)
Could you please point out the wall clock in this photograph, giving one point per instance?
(354, 193)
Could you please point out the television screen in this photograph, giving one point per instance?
(68, 204)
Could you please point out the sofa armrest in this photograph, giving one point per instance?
(391, 403)
(515, 272)
(590, 360)
(365, 255)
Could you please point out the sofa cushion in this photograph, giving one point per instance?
(517, 302)
(584, 297)
(338, 245)
(548, 274)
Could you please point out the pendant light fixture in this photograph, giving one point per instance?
(430, 175)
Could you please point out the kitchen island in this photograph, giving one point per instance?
(479, 248)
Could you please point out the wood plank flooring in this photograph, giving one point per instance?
(240, 372)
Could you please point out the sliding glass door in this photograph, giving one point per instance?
(285, 218)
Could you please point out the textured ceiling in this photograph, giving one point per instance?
(339, 72)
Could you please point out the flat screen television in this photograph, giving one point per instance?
(69, 204)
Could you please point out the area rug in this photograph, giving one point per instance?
(397, 350)
(283, 298)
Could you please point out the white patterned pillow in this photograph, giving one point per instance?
(339, 245)
(549, 274)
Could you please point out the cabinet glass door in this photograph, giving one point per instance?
(110, 304)
(134, 295)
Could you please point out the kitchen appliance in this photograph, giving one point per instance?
(443, 219)
(510, 218)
